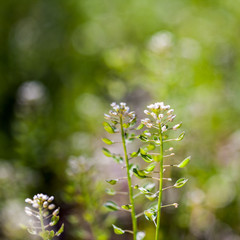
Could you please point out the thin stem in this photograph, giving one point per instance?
(42, 223)
(133, 214)
(157, 235)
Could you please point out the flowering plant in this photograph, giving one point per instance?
(44, 216)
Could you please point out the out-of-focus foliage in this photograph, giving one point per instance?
(62, 63)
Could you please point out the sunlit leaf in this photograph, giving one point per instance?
(111, 206)
(61, 229)
(180, 182)
(146, 157)
(118, 159)
(185, 162)
(54, 220)
(143, 138)
(106, 152)
(150, 214)
(150, 167)
(110, 191)
(126, 125)
(127, 206)
(134, 154)
(152, 197)
(118, 230)
(181, 136)
(140, 126)
(112, 181)
(139, 173)
(107, 141)
(108, 127)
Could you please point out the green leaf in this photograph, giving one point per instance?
(134, 154)
(150, 147)
(61, 229)
(118, 230)
(107, 141)
(112, 181)
(143, 190)
(185, 162)
(142, 151)
(106, 152)
(152, 197)
(110, 191)
(118, 159)
(143, 138)
(108, 127)
(180, 182)
(181, 136)
(126, 206)
(150, 214)
(126, 125)
(141, 235)
(54, 220)
(140, 126)
(150, 167)
(146, 157)
(51, 234)
(139, 173)
(149, 186)
(133, 122)
(111, 206)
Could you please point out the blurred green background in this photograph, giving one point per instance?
(62, 62)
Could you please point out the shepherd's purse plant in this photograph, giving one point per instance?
(44, 215)
(154, 150)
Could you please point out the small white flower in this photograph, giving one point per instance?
(28, 200)
(45, 204)
(164, 129)
(146, 112)
(169, 112)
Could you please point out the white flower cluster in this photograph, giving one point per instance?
(120, 110)
(161, 114)
(40, 201)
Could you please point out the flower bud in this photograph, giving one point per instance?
(51, 206)
(28, 200)
(51, 199)
(45, 204)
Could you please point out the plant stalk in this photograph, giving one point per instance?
(157, 234)
(42, 223)
(133, 214)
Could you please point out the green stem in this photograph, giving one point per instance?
(157, 235)
(42, 223)
(133, 214)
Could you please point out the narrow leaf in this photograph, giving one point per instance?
(107, 141)
(185, 162)
(118, 230)
(152, 197)
(150, 167)
(140, 126)
(181, 136)
(180, 182)
(118, 159)
(112, 181)
(147, 158)
(61, 229)
(139, 173)
(108, 127)
(111, 206)
(106, 152)
(143, 138)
